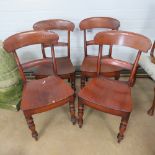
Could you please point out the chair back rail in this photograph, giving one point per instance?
(123, 38)
(23, 39)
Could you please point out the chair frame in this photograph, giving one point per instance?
(94, 23)
(128, 39)
(152, 108)
(58, 24)
(27, 38)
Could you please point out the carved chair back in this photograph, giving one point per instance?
(55, 24)
(94, 23)
(123, 38)
(23, 39)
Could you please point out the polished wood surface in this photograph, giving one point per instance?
(151, 110)
(109, 95)
(46, 93)
(99, 89)
(43, 94)
(89, 64)
(63, 65)
(29, 38)
(52, 24)
(99, 22)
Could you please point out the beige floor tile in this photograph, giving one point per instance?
(57, 136)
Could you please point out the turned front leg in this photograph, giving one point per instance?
(80, 113)
(151, 110)
(31, 126)
(72, 110)
(122, 128)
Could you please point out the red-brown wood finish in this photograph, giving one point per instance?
(109, 95)
(63, 65)
(89, 64)
(151, 110)
(43, 94)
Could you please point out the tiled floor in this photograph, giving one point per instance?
(57, 136)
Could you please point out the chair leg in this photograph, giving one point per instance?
(82, 81)
(123, 127)
(72, 110)
(80, 113)
(117, 76)
(31, 126)
(151, 110)
(86, 79)
(72, 79)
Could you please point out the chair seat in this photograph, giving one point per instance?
(90, 65)
(43, 92)
(110, 94)
(64, 67)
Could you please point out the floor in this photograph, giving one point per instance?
(57, 136)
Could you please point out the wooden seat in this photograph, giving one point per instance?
(65, 68)
(107, 95)
(104, 93)
(89, 64)
(43, 94)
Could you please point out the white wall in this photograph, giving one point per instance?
(19, 15)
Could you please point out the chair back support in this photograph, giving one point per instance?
(97, 22)
(55, 24)
(23, 39)
(152, 50)
(51, 24)
(152, 53)
(123, 38)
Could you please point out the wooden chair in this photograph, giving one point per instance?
(89, 64)
(151, 110)
(109, 95)
(43, 94)
(64, 65)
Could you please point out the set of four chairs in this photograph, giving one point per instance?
(49, 91)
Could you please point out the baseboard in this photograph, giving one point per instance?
(124, 73)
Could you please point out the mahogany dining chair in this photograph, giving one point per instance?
(113, 96)
(151, 110)
(89, 64)
(43, 94)
(64, 65)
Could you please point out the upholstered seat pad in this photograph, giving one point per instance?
(147, 65)
(64, 66)
(108, 93)
(89, 64)
(39, 93)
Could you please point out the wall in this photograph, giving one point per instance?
(19, 15)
